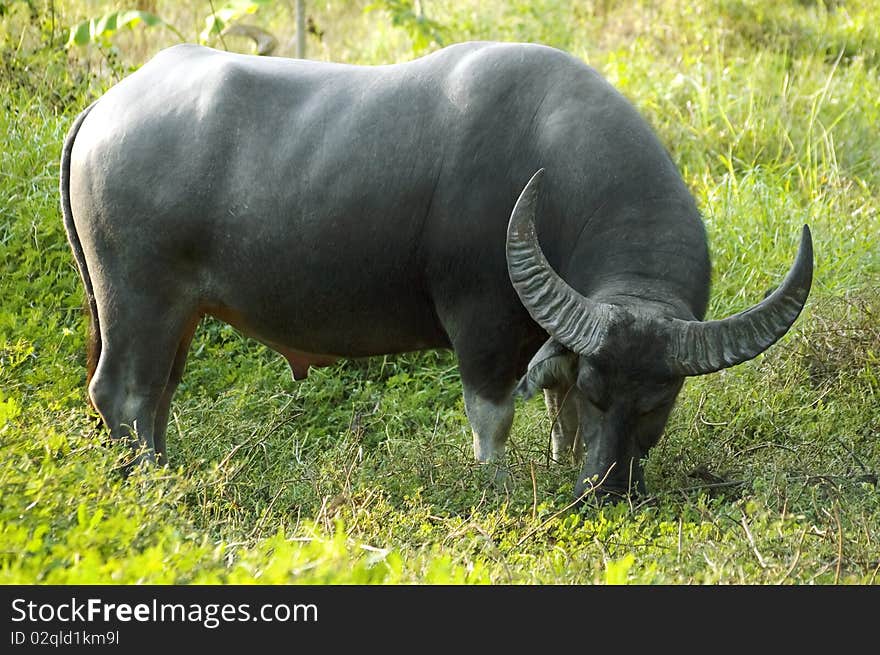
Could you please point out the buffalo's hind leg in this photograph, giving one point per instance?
(139, 349)
(160, 423)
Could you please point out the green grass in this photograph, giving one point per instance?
(767, 472)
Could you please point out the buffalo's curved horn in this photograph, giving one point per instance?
(574, 320)
(264, 42)
(698, 347)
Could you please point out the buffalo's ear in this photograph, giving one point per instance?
(552, 366)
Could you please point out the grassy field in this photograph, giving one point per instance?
(363, 473)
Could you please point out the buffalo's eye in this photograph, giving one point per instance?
(590, 385)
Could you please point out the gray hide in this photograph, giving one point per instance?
(338, 211)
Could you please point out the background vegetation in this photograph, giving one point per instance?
(363, 473)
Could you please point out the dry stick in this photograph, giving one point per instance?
(430, 449)
(263, 518)
(751, 539)
(356, 455)
(577, 500)
(768, 444)
(839, 544)
(874, 574)
(321, 516)
(712, 485)
(699, 409)
(494, 552)
(534, 491)
(797, 557)
(678, 555)
(820, 572)
(815, 402)
(254, 435)
(684, 490)
(629, 486)
(852, 454)
(357, 515)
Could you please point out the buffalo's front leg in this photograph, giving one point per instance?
(489, 361)
(490, 422)
(562, 409)
(487, 381)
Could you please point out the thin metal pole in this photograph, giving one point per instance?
(300, 29)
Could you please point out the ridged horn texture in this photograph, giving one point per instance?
(699, 347)
(575, 321)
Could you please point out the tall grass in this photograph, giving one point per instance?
(363, 473)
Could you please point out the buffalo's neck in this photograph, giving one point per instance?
(652, 251)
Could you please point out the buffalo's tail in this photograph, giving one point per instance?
(94, 344)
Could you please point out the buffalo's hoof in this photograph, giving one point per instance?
(604, 494)
(141, 457)
(497, 476)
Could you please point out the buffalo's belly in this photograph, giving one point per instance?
(319, 312)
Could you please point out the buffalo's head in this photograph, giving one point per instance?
(624, 364)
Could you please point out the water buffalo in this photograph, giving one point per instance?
(336, 211)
